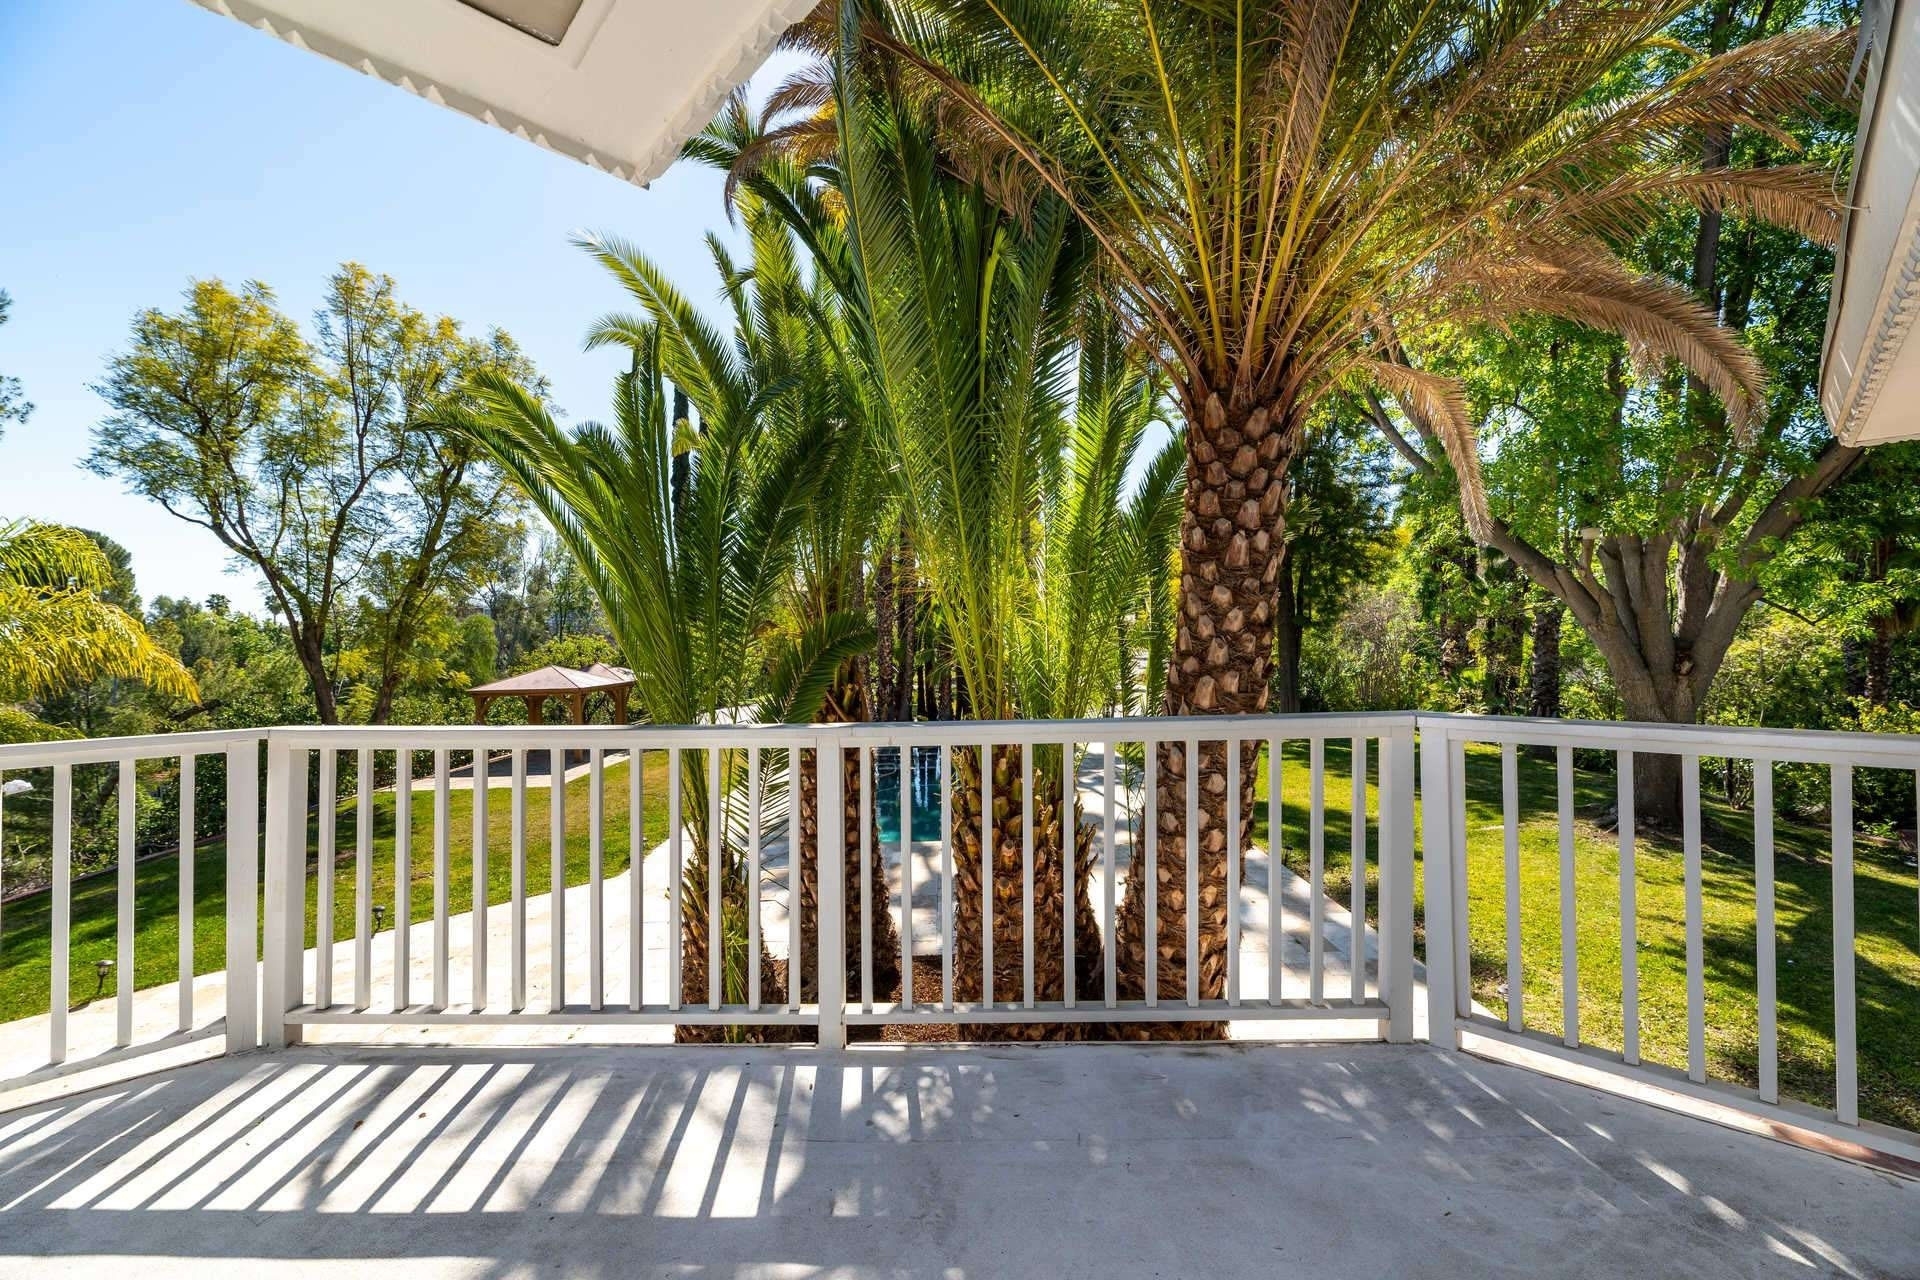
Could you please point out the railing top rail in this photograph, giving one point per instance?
(1800, 745)
(147, 746)
(1890, 750)
(918, 733)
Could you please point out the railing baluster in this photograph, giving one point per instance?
(123, 935)
(946, 876)
(1276, 878)
(1763, 930)
(1440, 798)
(1193, 872)
(402, 878)
(1462, 946)
(517, 930)
(1510, 827)
(675, 872)
(1357, 865)
(1695, 942)
(482, 894)
(831, 852)
(753, 878)
(442, 880)
(62, 912)
(596, 879)
(1233, 875)
(363, 881)
(1108, 886)
(867, 777)
(1629, 925)
(1569, 916)
(636, 879)
(187, 859)
(986, 874)
(795, 960)
(1394, 974)
(1069, 861)
(906, 876)
(328, 807)
(716, 856)
(243, 900)
(1316, 869)
(1027, 931)
(557, 878)
(1150, 905)
(1846, 1066)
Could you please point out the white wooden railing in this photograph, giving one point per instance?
(447, 972)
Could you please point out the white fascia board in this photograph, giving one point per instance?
(1870, 370)
(626, 85)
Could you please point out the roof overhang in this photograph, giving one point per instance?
(617, 84)
(1870, 370)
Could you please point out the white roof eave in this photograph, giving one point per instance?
(627, 85)
(1870, 372)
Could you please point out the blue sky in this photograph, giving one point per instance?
(146, 142)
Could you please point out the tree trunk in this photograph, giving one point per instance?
(1005, 880)
(1543, 672)
(1506, 638)
(1223, 652)
(1287, 633)
(313, 661)
(847, 705)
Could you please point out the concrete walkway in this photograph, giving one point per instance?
(1049, 1161)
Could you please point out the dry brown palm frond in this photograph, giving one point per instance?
(1799, 197)
(1756, 86)
(1437, 405)
(817, 33)
(1660, 319)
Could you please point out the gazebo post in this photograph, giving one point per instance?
(533, 707)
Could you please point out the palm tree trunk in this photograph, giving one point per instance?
(847, 705)
(1223, 652)
(1006, 882)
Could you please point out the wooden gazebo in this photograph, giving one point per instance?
(535, 687)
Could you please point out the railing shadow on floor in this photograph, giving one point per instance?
(921, 1162)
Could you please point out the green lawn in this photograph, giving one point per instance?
(1886, 927)
(25, 957)
(1887, 917)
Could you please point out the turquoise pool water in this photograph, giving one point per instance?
(926, 793)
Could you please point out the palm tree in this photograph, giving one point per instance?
(690, 589)
(1009, 417)
(1277, 189)
(56, 632)
(787, 364)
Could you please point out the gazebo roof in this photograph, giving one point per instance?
(559, 680)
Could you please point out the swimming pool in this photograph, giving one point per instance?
(926, 793)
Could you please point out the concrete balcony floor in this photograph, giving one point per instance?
(1056, 1161)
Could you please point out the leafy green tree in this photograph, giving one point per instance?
(1639, 495)
(313, 461)
(14, 406)
(1855, 567)
(56, 630)
(1335, 533)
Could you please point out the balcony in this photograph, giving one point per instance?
(1583, 1048)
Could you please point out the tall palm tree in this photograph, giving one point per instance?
(690, 588)
(786, 363)
(1009, 416)
(55, 630)
(1277, 187)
